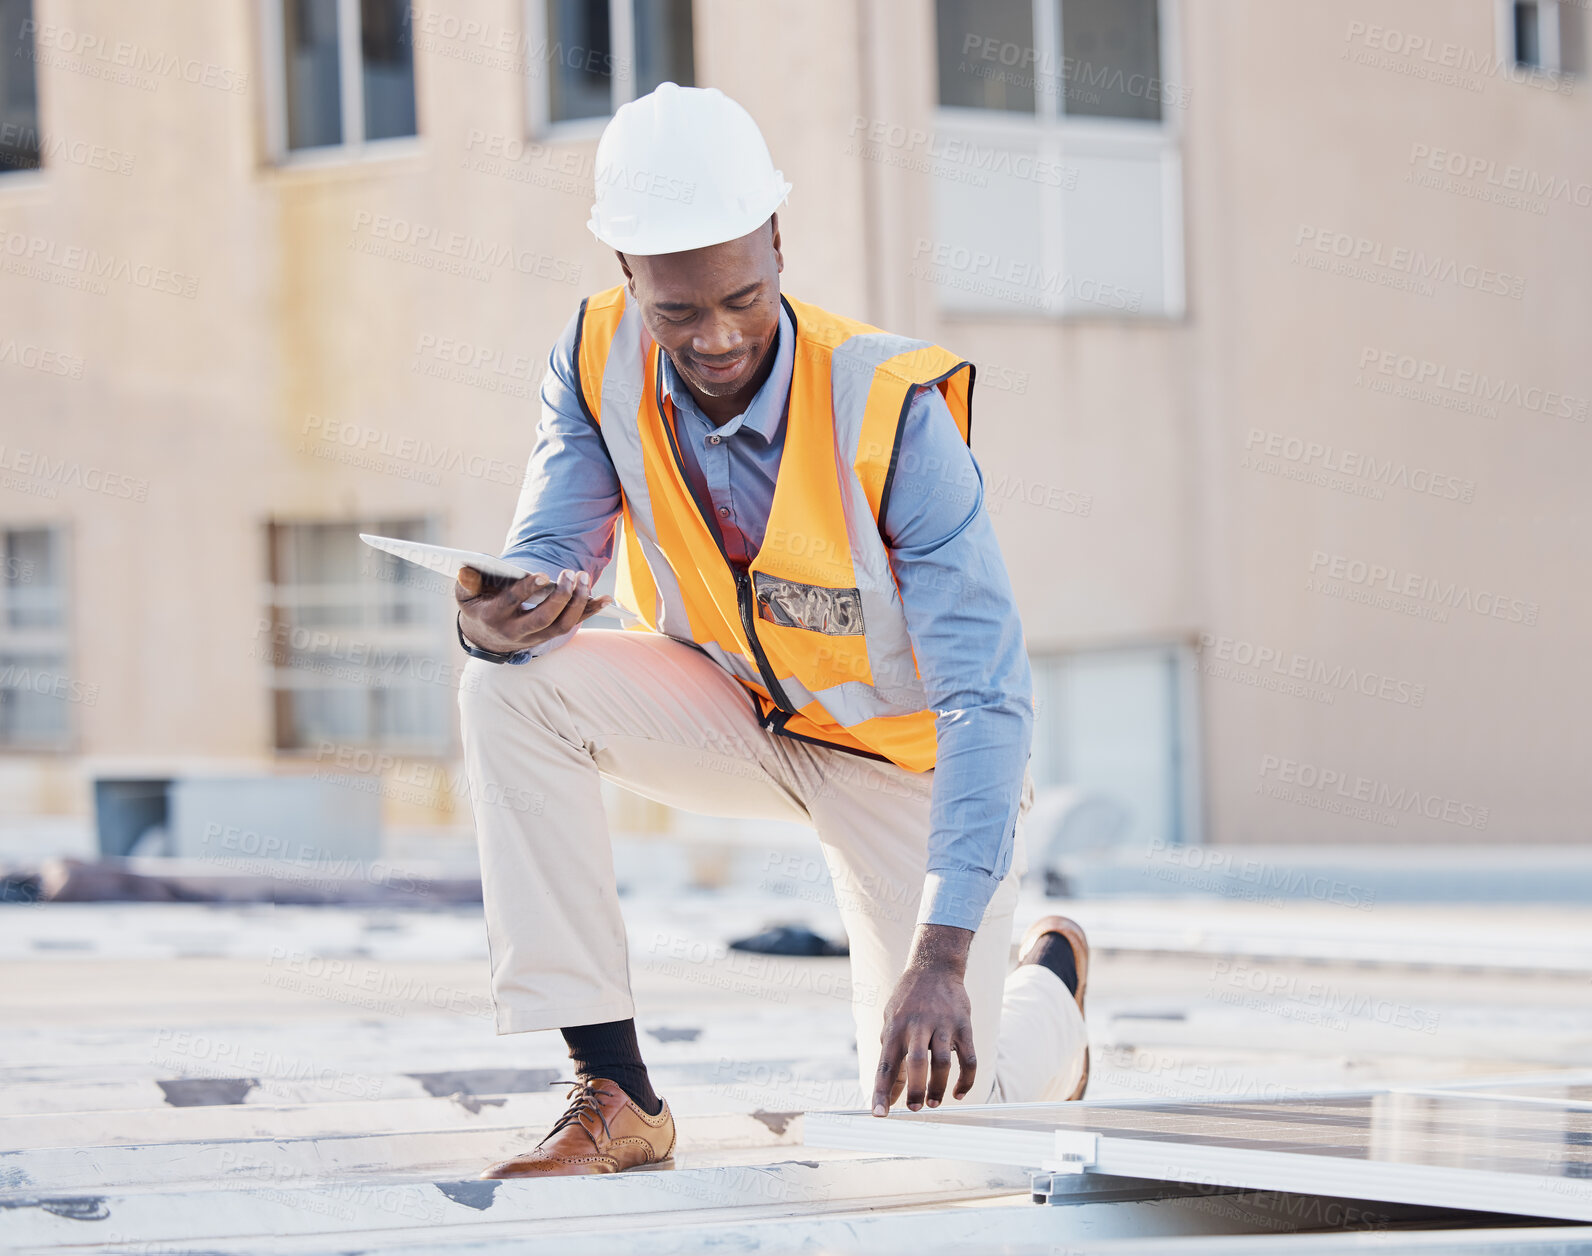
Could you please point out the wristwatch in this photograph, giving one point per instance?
(476, 652)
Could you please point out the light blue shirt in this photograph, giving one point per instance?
(958, 599)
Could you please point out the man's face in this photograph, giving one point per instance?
(714, 311)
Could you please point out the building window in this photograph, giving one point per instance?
(19, 98)
(588, 57)
(1083, 58)
(345, 74)
(1059, 191)
(1117, 728)
(356, 642)
(37, 692)
(1547, 35)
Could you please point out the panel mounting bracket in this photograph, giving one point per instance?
(1076, 1151)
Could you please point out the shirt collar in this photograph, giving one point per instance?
(766, 411)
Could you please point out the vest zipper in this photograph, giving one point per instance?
(745, 599)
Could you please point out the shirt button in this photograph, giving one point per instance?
(724, 512)
(714, 440)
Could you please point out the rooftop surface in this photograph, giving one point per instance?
(187, 1077)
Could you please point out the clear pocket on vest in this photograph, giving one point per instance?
(833, 612)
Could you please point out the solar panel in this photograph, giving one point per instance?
(1524, 1153)
(1571, 1089)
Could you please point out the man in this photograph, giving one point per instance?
(831, 639)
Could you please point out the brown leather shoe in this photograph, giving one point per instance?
(1073, 932)
(602, 1131)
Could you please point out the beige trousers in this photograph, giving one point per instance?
(664, 720)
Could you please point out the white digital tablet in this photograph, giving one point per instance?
(446, 561)
(441, 559)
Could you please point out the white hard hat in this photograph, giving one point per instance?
(682, 168)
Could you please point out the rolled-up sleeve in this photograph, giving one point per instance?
(965, 631)
(570, 497)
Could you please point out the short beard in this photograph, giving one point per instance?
(715, 390)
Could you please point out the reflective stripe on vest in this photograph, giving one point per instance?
(814, 627)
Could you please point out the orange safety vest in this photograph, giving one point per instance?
(813, 627)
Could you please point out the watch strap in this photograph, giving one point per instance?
(476, 652)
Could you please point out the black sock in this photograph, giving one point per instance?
(1055, 953)
(610, 1050)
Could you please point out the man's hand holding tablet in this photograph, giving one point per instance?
(503, 608)
(504, 616)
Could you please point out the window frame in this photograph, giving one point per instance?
(1056, 135)
(426, 637)
(539, 79)
(1549, 38)
(1055, 733)
(23, 176)
(351, 94)
(59, 641)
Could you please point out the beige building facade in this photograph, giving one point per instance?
(1280, 314)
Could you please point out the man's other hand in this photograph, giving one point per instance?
(493, 615)
(928, 1017)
